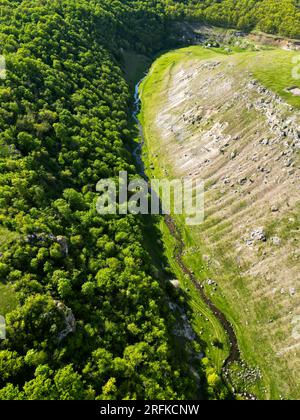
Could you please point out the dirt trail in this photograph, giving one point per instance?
(234, 355)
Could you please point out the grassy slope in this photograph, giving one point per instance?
(205, 324)
(274, 69)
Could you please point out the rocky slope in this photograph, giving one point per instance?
(214, 120)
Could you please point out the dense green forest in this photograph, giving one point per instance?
(64, 125)
(271, 16)
(65, 120)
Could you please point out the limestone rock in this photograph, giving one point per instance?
(259, 235)
(70, 322)
(62, 241)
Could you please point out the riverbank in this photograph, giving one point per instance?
(174, 117)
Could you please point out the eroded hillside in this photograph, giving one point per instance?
(208, 115)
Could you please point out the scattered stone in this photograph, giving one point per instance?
(211, 282)
(294, 91)
(276, 241)
(243, 181)
(259, 235)
(227, 181)
(175, 283)
(289, 163)
(264, 142)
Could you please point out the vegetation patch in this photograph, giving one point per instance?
(8, 299)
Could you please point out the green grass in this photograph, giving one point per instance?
(274, 69)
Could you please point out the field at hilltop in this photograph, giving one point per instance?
(233, 120)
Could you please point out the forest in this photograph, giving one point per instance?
(92, 319)
(272, 16)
